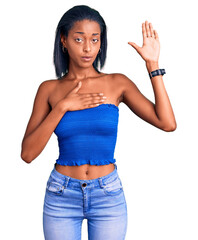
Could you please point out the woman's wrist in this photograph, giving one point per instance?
(152, 66)
(61, 106)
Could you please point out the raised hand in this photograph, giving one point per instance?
(151, 46)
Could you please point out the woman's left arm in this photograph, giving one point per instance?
(161, 113)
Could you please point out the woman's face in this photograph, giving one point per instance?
(83, 43)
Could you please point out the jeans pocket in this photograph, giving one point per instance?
(54, 187)
(113, 188)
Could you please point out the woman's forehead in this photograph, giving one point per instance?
(86, 27)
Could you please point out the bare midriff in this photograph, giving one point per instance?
(86, 171)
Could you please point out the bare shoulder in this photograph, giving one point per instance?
(48, 84)
(42, 96)
(119, 78)
(47, 87)
(117, 85)
(121, 81)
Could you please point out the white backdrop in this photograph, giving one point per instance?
(158, 169)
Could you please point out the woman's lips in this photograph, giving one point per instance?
(86, 58)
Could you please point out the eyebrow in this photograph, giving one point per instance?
(94, 34)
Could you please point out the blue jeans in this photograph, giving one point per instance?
(69, 200)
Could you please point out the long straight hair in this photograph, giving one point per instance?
(77, 13)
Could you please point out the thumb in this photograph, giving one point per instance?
(78, 86)
(137, 48)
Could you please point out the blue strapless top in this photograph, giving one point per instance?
(88, 136)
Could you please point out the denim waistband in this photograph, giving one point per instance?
(77, 183)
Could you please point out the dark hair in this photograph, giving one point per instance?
(77, 13)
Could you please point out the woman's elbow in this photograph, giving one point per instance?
(26, 157)
(170, 127)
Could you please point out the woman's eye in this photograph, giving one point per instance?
(95, 40)
(78, 40)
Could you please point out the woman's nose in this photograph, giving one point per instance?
(87, 46)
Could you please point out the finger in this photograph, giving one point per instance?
(143, 31)
(151, 30)
(156, 35)
(134, 46)
(91, 103)
(78, 86)
(91, 94)
(148, 33)
(89, 98)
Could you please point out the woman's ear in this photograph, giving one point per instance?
(63, 40)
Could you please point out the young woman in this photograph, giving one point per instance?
(81, 108)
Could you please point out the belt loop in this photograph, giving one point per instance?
(66, 181)
(100, 182)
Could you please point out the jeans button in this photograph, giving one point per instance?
(84, 184)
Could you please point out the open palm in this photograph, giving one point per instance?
(151, 46)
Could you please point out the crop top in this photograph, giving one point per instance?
(88, 136)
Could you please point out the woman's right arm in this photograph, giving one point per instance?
(43, 120)
(41, 125)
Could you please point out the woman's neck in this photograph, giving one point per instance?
(81, 73)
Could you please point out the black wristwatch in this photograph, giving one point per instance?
(157, 72)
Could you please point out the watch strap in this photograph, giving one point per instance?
(157, 72)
